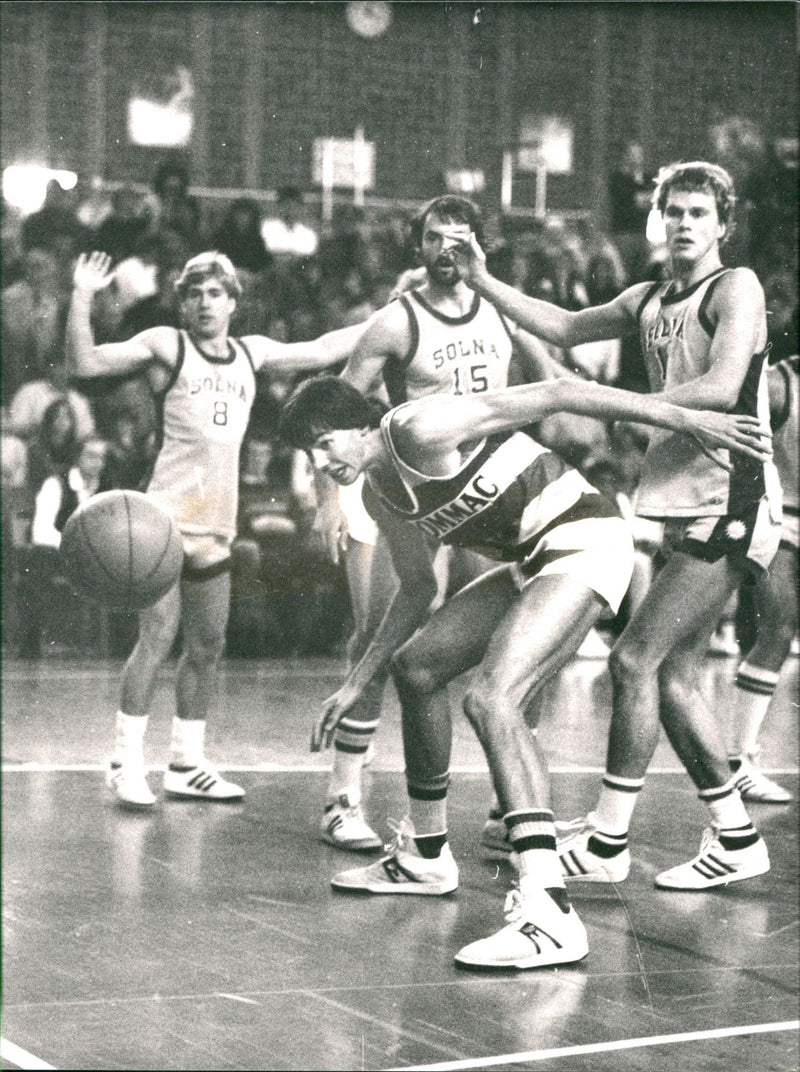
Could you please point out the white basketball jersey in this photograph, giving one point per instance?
(450, 355)
(678, 478)
(205, 412)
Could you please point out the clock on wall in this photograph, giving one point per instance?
(369, 18)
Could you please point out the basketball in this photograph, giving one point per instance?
(121, 550)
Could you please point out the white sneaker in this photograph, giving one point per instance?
(403, 869)
(128, 782)
(579, 863)
(494, 836)
(538, 933)
(715, 865)
(200, 783)
(757, 787)
(344, 826)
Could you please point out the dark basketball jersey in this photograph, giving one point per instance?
(785, 434)
(506, 495)
(678, 478)
(450, 355)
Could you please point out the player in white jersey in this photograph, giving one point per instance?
(776, 598)
(456, 469)
(439, 337)
(704, 336)
(206, 382)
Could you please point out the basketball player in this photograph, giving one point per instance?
(776, 598)
(452, 469)
(439, 336)
(205, 381)
(703, 336)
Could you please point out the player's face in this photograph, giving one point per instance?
(692, 225)
(439, 239)
(207, 309)
(340, 454)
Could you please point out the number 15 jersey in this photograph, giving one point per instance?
(453, 355)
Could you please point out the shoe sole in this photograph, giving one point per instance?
(526, 964)
(410, 888)
(134, 805)
(752, 799)
(594, 876)
(491, 844)
(723, 880)
(173, 794)
(362, 845)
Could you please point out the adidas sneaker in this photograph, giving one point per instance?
(539, 932)
(756, 787)
(344, 826)
(200, 783)
(579, 862)
(715, 865)
(128, 782)
(403, 869)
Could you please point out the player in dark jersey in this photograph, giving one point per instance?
(438, 336)
(703, 336)
(456, 470)
(206, 382)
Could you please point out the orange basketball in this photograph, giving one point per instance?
(121, 550)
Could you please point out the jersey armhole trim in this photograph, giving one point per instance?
(413, 324)
(648, 294)
(702, 312)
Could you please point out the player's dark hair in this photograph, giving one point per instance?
(211, 265)
(698, 176)
(449, 207)
(325, 404)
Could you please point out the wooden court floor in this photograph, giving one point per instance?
(208, 937)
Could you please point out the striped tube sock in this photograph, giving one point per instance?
(427, 802)
(353, 736)
(532, 834)
(615, 805)
(726, 807)
(186, 746)
(755, 688)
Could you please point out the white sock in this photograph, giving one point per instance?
(727, 809)
(616, 803)
(186, 747)
(346, 776)
(129, 731)
(755, 688)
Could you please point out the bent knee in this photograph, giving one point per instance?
(414, 673)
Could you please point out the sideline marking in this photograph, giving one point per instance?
(19, 1057)
(602, 1047)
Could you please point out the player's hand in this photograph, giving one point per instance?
(409, 280)
(732, 431)
(92, 272)
(468, 255)
(333, 711)
(330, 530)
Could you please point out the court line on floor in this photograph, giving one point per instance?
(298, 768)
(602, 1047)
(19, 1057)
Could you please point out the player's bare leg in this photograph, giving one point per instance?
(776, 598)
(205, 606)
(158, 627)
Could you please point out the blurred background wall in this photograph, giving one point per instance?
(442, 86)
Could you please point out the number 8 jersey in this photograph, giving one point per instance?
(205, 410)
(450, 355)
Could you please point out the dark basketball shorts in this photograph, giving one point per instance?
(749, 538)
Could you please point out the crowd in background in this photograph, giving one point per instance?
(301, 277)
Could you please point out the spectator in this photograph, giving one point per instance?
(52, 443)
(56, 225)
(28, 410)
(285, 236)
(175, 210)
(630, 188)
(123, 231)
(239, 236)
(34, 311)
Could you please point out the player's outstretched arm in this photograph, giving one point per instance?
(412, 557)
(558, 326)
(430, 428)
(312, 356)
(92, 274)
